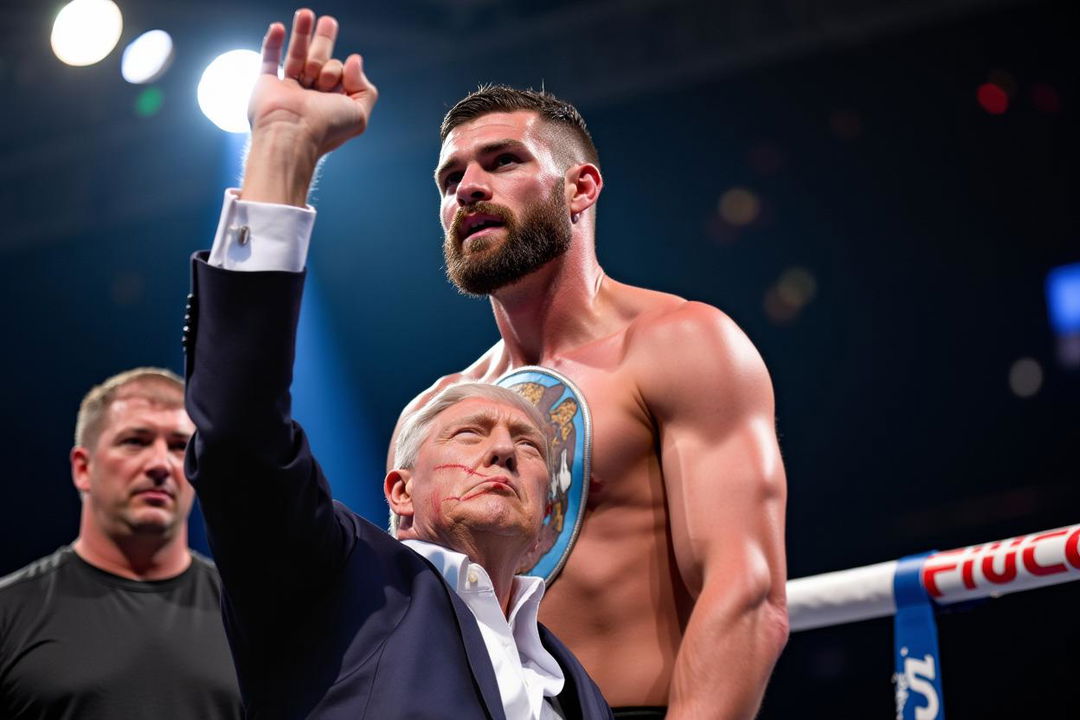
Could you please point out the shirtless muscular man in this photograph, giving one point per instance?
(673, 593)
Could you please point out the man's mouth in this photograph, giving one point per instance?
(155, 496)
(478, 222)
(495, 484)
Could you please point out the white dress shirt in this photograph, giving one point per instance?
(525, 670)
(261, 236)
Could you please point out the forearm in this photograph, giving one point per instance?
(280, 165)
(726, 656)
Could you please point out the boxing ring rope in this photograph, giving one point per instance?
(985, 570)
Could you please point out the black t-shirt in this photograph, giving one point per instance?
(78, 642)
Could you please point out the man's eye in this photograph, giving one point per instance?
(178, 446)
(466, 432)
(136, 441)
(451, 180)
(505, 159)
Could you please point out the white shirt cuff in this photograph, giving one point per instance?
(254, 236)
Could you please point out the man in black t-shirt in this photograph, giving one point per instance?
(124, 622)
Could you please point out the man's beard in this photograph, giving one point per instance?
(542, 235)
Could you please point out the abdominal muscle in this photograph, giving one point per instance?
(617, 602)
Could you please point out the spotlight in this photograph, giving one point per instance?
(147, 57)
(85, 31)
(225, 88)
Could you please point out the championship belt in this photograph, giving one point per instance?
(570, 438)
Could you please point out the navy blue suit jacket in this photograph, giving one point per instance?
(326, 614)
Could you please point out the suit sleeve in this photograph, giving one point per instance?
(273, 526)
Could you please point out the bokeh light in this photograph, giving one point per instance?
(149, 102)
(1045, 98)
(992, 98)
(786, 298)
(739, 206)
(796, 286)
(85, 31)
(147, 57)
(225, 88)
(1025, 377)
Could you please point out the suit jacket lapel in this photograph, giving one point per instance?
(479, 659)
(580, 699)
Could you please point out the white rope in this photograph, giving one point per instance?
(977, 571)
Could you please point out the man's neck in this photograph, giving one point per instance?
(499, 555)
(135, 556)
(557, 307)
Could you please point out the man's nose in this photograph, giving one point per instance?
(474, 186)
(502, 452)
(161, 462)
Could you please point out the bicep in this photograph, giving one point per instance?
(720, 459)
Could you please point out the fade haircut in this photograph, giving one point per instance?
(158, 385)
(576, 142)
(415, 429)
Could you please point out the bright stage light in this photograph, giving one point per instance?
(147, 57)
(225, 88)
(85, 31)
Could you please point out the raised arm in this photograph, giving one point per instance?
(271, 520)
(713, 403)
(317, 105)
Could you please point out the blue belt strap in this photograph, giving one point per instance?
(918, 668)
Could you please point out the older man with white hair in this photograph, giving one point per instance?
(329, 616)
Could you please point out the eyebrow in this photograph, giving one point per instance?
(485, 149)
(143, 430)
(487, 419)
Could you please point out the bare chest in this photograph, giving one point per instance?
(623, 460)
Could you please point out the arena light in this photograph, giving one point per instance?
(1063, 298)
(225, 87)
(1063, 304)
(147, 57)
(85, 31)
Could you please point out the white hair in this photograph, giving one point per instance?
(415, 429)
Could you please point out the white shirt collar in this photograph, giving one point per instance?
(525, 670)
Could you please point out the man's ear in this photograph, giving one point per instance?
(397, 491)
(584, 183)
(80, 468)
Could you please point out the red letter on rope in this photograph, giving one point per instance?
(1034, 567)
(928, 574)
(1072, 549)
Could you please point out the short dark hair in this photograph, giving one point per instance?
(488, 99)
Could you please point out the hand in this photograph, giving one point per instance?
(316, 106)
(328, 100)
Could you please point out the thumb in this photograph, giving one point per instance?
(356, 84)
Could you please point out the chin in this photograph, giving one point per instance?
(152, 521)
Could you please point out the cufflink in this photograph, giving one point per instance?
(243, 234)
